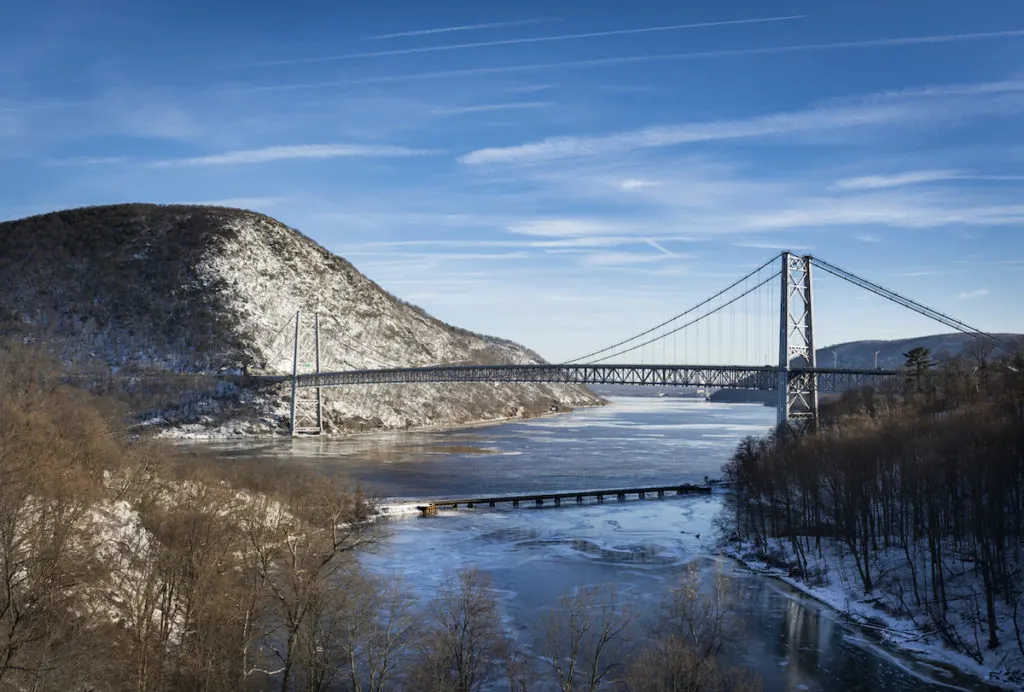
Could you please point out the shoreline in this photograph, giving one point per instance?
(180, 435)
(874, 621)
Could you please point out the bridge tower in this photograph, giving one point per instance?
(797, 391)
(307, 402)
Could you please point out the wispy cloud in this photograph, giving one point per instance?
(867, 238)
(465, 27)
(489, 107)
(897, 213)
(636, 183)
(517, 41)
(565, 227)
(442, 256)
(605, 241)
(774, 124)
(874, 182)
(616, 259)
(299, 151)
(772, 245)
(976, 293)
(530, 88)
(869, 110)
(638, 59)
(87, 161)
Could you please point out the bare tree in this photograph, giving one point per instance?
(324, 522)
(378, 630)
(583, 638)
(696, 624)
(464, 640)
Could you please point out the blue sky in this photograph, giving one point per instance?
(555, 173)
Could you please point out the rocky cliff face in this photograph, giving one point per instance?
(203, 290)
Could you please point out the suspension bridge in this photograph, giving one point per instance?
(769, 308)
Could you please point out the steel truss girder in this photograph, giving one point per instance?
(713, 376)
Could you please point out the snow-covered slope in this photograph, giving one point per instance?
(214, 290)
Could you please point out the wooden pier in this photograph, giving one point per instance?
(538, 499)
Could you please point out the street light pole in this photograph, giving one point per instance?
(876, 360)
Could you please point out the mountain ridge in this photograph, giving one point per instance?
(208, 290)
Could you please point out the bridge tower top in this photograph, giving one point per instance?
(797, 393)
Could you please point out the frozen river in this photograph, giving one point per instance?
(534, 556)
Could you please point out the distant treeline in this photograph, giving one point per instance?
(922, 489)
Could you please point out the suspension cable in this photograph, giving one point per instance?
(673, 319)
(381, 359)
(694, 321)
(908, 303)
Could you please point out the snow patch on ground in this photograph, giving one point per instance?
(835, 582)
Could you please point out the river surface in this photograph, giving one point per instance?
(534, 556)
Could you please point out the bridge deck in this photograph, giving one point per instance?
(715, 376)
(538, 499)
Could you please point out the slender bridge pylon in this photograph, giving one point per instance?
(796, 377)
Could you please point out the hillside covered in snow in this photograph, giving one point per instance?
(170, 290)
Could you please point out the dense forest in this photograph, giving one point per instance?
(915, 496)
(125, 565)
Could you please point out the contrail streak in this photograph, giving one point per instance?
(515, 41)
(629, 59)
(658, 247)
(465, 27)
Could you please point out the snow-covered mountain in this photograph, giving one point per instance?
(207, 290)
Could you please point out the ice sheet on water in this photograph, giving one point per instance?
(628, 536)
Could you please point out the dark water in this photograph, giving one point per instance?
(535, 556)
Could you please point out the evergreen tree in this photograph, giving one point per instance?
(919, 362)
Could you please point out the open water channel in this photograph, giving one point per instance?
(535, 556)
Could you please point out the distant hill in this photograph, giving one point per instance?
(861, 354)
(206, 290)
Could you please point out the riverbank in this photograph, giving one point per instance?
(834, 586)
(242, 429)
(906, 511)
